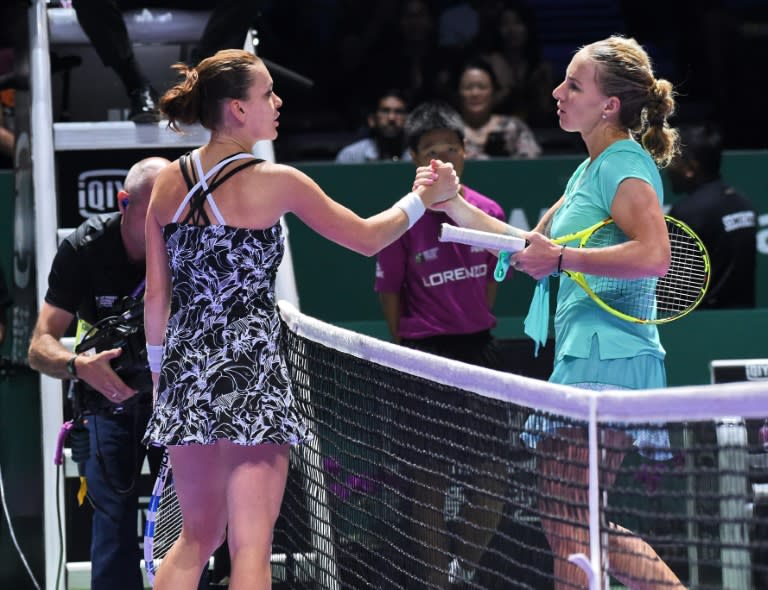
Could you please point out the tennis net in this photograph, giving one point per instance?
(429, 473)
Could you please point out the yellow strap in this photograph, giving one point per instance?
(82, 329)
(82, 491)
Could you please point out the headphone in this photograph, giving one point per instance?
(125, 202)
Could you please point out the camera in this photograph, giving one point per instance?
(123, 329)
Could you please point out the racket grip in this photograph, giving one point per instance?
(480, 239)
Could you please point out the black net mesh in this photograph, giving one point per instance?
(411, 483)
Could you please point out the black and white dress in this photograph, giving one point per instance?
(223, 375)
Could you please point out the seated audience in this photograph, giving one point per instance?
(487, 133)
(386, 139)
(724, 219)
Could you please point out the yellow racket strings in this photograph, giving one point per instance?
(653, 299)
(635, 298)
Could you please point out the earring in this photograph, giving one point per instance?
(603, 116)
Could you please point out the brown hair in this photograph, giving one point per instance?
(226, 75)
(624, 70)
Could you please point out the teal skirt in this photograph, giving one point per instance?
(640, 372)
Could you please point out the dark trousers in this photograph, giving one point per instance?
(479, 348)
(102, 21)
(111, 473)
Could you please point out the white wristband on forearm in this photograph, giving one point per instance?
(154, 357)
(413, 207)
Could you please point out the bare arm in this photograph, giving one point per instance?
(390, 306)
(7, 142)
(157, 294)
(465, 214)
(545, 223)
(646, 253)
(341, 225)
(7, 138)
(46, 353)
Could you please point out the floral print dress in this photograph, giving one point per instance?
(223, 374)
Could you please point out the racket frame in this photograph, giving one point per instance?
(512, 243)
(162, 479)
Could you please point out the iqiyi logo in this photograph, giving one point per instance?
(97, 190)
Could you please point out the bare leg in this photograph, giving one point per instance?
(254, 495)
(563, 468)
(481, 513)
(636, 565)
(563, 504)
(220, 484)
(431, 542)
(203, 510)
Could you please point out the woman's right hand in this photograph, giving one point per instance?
(436, 182)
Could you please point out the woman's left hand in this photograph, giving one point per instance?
(539, 259)
(426, 176)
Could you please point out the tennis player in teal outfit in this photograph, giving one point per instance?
(612, 98)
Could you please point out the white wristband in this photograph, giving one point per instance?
(154, 357)
(413, 207)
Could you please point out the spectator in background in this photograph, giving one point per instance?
(386, 139)
(511, 48)
(724, 219)
(452, 319)
(103, 22)
(487, 133)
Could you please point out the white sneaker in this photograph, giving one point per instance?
(458, 573)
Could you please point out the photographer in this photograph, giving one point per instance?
(96, 277)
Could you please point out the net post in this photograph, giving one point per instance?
(326, 570)
(592, 567)
(321, 532)
(692, 526)
(734, 531)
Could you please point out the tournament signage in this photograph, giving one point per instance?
(89, 180)
(97, 190)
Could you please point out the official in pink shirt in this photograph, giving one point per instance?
(437, 297)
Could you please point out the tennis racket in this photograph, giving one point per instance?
(648, 300)
(163, 519)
